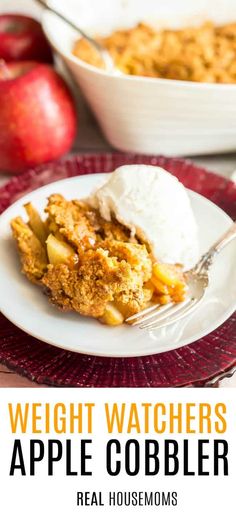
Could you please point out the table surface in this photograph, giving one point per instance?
(90, 139)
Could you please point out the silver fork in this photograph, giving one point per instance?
(158, 316)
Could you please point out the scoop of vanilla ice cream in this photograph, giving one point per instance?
(156, 207)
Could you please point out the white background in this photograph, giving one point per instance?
(43, 496)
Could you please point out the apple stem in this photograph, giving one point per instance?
(4, 71)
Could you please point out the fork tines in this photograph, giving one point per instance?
(158, 316)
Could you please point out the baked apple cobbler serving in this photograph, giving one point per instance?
(115, 253)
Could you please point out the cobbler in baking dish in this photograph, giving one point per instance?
(201, 54)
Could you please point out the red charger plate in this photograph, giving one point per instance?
(202, 363)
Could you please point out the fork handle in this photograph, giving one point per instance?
(225, 239)
(207, 259)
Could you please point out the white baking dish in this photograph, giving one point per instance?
(142, 114)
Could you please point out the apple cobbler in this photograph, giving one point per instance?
(91, 266)
(202, 54)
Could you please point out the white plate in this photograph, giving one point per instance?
(25, 305)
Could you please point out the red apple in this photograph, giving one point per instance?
(22, 38)
(37, 115)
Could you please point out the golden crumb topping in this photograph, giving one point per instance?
(90, 266)
(202, 54)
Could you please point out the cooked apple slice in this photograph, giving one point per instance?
(35, 223)
(160, 288)
(179, 294)
(59, 252)
(169, 275)
(112, 316)
(162, 299)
